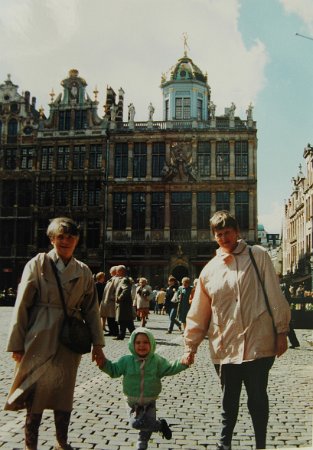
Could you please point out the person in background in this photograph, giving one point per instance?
(143, 295)
(100, 284)
(41, 360)
(160, 300)
(171, 306)
(229, 306)
(108, 305)
(184, 292)
(142, 372)
(193, 290)
(124, 303)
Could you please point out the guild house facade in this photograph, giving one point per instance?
(142, 191)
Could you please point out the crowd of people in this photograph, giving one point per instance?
(246, 330)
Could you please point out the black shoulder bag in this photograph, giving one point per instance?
(75, 333)
(262, 284)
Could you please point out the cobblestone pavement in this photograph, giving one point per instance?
(190, 401)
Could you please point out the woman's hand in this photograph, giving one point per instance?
(17, 356)
(188, 359)
(281, 344)
(97, 355)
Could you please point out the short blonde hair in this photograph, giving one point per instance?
(62, 225)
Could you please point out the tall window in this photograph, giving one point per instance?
(45, 195)
(121, 160)
(199, 109)
(166, 109)
(181, 211)
(140, 160)
(24, 193)
(119, 210)
(182, 108)
(204, 159)
(79, 156)
(93, 193)
(63, 155)
(158, 158)
(61, 190)
(0, 128)
(7, 233)
(93, 233)
(42, 238)
(242, 209)
(222, 200)
(138, 211)
(27, 158)
(80, 119)
(10, 158)
(203, 209)
(222, 159)
(8, 193)
(241, 159)
(77, 193)
(95, 157)
(23, 233)
(12, 131)
(46, 158)
(64, 120)
(157, 210)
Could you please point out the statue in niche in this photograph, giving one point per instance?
(113, 111)
(151, 111)
(249, 112)
(131, 112)
(212, 108)
(180, 166)
(231, 111)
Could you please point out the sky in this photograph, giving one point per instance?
(249, 49)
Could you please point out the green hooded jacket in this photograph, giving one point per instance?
(142, 376)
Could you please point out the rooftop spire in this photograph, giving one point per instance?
(185, 39)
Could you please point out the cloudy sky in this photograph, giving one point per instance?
(249, 49)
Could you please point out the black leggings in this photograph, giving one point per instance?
(254, 375)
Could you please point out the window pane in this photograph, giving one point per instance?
(242, 209)
(222, 159)
(241, 159)
(203, 209)
(138, 211)
(158, 158)
(222, 201)
(119, 210)
(204, 159)
(157, 210)
(121, 160)
(140, 160)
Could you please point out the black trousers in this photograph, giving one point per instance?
(124, 324)
(113, 326)
(254, 375)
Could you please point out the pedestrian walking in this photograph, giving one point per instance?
(46, 370)
(229, 306)
(142, 372)
(160, 300)
(108, 304)
(124, 303)
(143, 295)
(100, 284)
(184, 292)
(171, 303)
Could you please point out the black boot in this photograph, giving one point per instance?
(62, 421)
(32, 424)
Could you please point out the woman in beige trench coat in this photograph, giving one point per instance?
(46, 371)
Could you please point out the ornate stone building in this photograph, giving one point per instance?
(143, 192)
(298, 226)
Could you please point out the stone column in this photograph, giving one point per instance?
(109, 217)
(130, 160)
(148, 216)
(252, 159)
(232, 159)
(232, 203)
(213, 159)
(111, 157)
(129, 215)
(194, 216)
(149, 161)
(167, 217)
(213, 203)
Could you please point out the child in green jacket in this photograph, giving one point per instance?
(142, 372)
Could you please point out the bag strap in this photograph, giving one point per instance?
(55, 271)
(260, 280)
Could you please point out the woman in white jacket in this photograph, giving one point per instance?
(230, 308)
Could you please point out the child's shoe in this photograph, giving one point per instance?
(223, 447)
(165, 430)
(142, 445)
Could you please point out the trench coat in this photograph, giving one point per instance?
(124, 301)
(108, 304)
(45, 377)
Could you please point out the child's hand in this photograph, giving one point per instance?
(98, 355)
(188, 359)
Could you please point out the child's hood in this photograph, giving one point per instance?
(148, 334)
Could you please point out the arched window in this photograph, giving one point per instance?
(12, 131)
